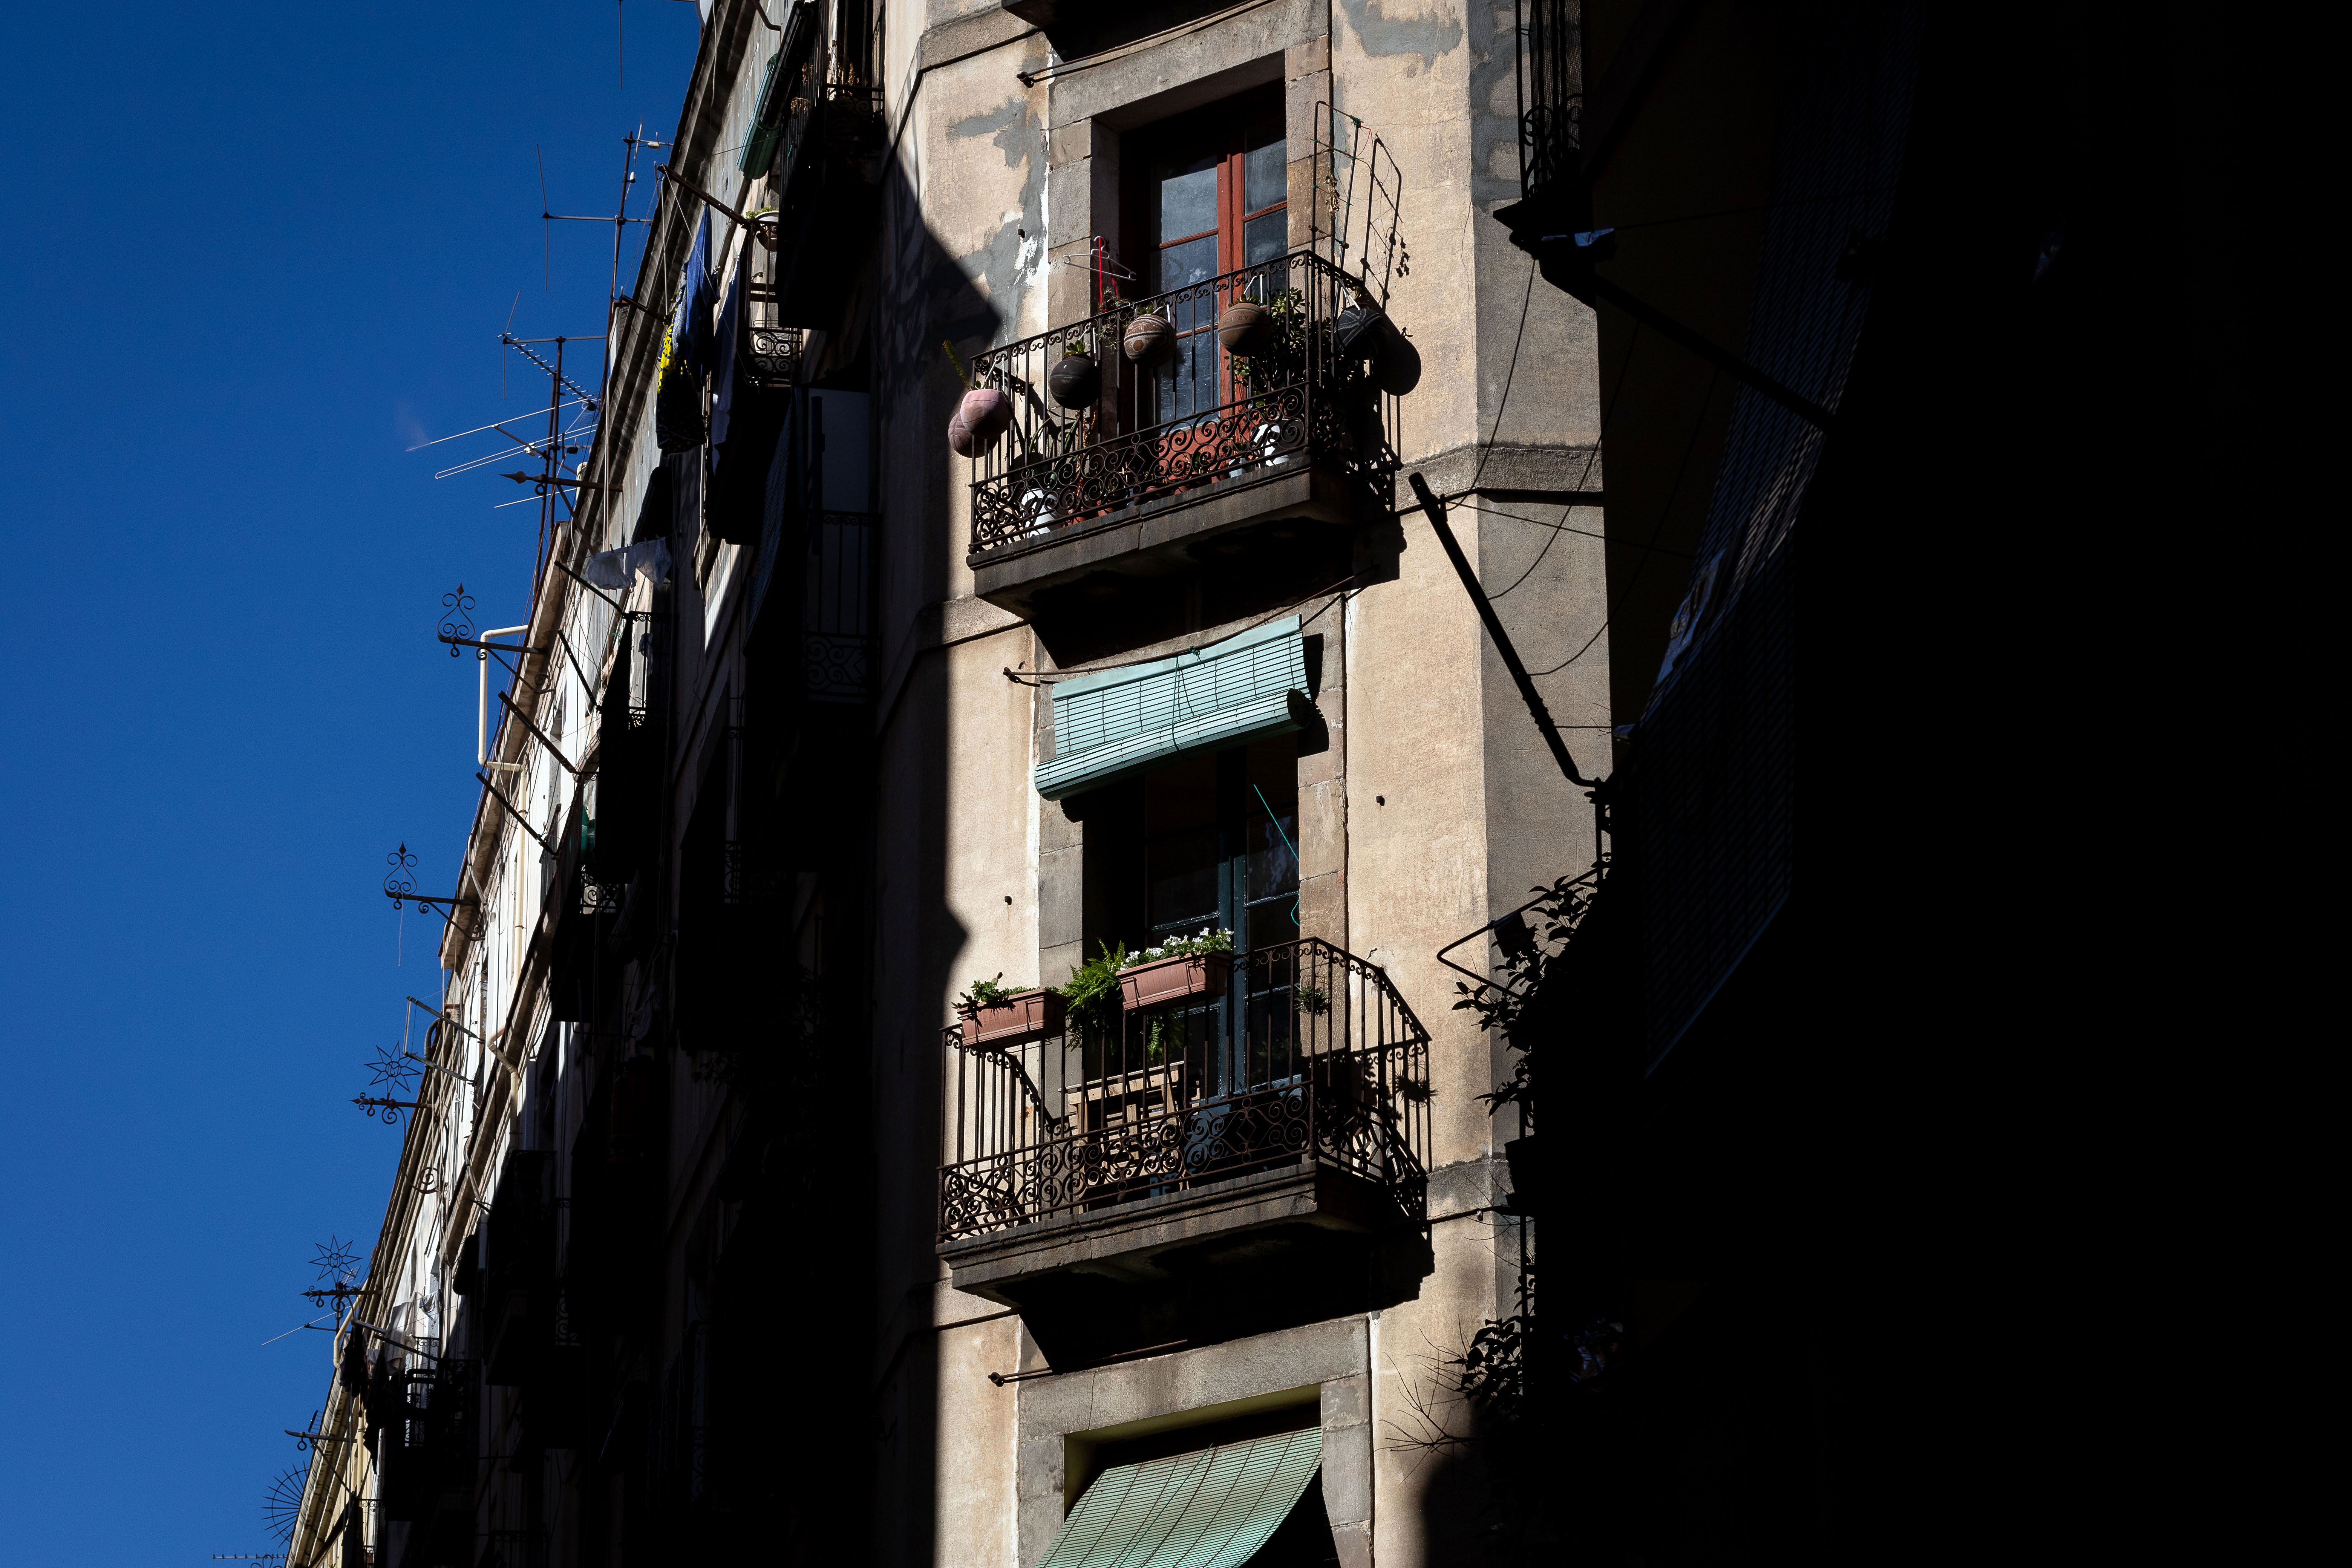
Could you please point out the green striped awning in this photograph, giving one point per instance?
(1210, 1510)
(760, 147)
(1122, 722)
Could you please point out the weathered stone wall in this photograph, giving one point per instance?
(1434, 806)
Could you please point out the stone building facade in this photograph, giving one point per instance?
(719, 1228)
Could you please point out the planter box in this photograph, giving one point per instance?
(1174, 979)
(1016, 1020)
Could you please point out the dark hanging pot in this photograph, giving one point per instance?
(1364, 332)
(1076, 381)
(1147, 340)
(1246, 328)
(1355, 334)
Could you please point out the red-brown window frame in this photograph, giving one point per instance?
(1229, 121)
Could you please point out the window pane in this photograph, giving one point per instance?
(1272, 868)
(1263, 238)
(1180, 795)
(1187, 198)
(1264, 181)
(1188, 263)
(1181, 883)
(1187, 380)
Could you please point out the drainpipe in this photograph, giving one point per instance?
(482, 714)
(1595, 788)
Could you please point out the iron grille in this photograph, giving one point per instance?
(1310, 1057)
(836, 620)
(1551, 94)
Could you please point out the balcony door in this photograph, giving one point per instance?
(1212, 198)
(1208, 841)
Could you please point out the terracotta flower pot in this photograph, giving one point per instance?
(1148, 339)
(1076, 381)
(1166, 980)
(1246, 328)
(1016, 1020)
(979, 420)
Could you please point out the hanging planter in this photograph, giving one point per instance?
(1147, 339)
(1247, 327)
(1355, 332)
(1076, 381)
(980, 421)
(1364, 332)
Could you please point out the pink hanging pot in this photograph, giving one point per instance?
(980, 421)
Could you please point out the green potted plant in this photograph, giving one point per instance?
(1187, 966)
(995, 1014)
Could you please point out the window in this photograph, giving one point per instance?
(1211, 198)
(1208, 841)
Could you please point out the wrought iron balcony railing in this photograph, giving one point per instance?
(1309, 1057)
(1551, 95)
(839, 121)
(1200, 418)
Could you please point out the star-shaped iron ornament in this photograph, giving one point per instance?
(392, 1066)
(337, 1264)
(339, 1268)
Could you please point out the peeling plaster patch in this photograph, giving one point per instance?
(1428, 37)
(1011, 261)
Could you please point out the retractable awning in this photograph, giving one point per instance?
(1122, 722)
(1210, 1510)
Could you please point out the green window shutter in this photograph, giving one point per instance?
(759, 150)
(1124, 720)
(1210, 1510)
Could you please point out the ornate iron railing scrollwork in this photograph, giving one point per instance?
(1550, 70)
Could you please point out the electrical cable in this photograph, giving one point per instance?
(1680, 469)
(1121, 51)
(1046, 677)
(1508, 377)
(1608, 406)
(1286, 844)
(1468, 504)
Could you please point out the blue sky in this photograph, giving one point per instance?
(254, 252)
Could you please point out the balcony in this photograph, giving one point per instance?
(1203, 444)
(1198, 1171)
(828, 160)
(430, 1440)
(517, 1289)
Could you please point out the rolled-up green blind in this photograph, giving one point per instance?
(760, 151)
(1124, 720)
(1210, 1510)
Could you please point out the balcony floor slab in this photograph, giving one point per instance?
(1158, 538)
(1234, 1218)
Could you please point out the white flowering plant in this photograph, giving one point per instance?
(1205, 941)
